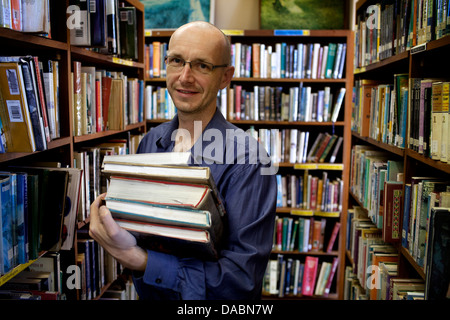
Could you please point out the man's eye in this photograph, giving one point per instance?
(176, 61)
(203, 66)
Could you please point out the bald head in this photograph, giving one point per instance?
(207, 32)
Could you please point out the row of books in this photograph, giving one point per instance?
(26, 16)
(271, 103)
(295, 146)
(291, 277)
(377, 182)
(29, 103)
(41, 280)
(54, 277)
(105, 100)
(370, 168)
(430, 114)
(257, 60)
(97, 267)
(284, 60)
(367, 250)
(391, 286)
(105, 26)
(309, 192)
(37, 203)
(158, 103)
(424, 197)
(380, 111)
(154, 56)
(375, 262)
(304, 234)
(166, 203)
(395, 26)
(89, 160)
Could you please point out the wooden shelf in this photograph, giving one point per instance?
(15, 43)
(16, 270)
(107, 133)
(387, 147)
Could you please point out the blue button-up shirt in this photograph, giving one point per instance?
(249, 195)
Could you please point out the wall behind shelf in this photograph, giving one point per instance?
(244, 14)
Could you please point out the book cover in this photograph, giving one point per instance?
(338, 105)
(128, 32)
(436, 120)
(445, 122)
(428, 187)
(35, 15)
(16, 116)
(34, 109)
(393, 208)
(181, 241)
(106, 95)
(33, 216)
(332, 47)
(5, 14)
(324, 273)
(55, 94)
(97, 12)
(116, 111)
(80, 34)
(39, 92)
(333, 236)
(437, 270)
(111, 29)
(16, 14)
(336, 149)
(6, 225)
(309, 275)
(162, 201)
(334, 266)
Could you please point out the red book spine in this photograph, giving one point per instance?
(309, 275)
(333, 237)
(279, 233)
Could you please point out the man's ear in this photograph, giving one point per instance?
(227, 76)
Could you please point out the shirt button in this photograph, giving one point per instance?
(158, 280)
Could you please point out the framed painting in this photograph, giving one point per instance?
(170, 14)
(302, 14)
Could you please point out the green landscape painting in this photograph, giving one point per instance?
(170, 14)
(302, 14)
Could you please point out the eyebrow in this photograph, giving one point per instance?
(181, 57)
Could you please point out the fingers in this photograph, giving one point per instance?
(95, 206)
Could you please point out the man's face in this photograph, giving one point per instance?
(194, 92)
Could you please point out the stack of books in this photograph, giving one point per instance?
(168, 205)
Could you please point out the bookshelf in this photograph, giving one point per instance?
(62, 149)
(411, 51)
(260, 126)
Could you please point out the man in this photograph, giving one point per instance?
(198, 65)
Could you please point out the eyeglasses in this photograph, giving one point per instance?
(197, 66)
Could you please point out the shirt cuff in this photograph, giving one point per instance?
(161, 270)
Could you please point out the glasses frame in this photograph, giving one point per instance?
(213, 66)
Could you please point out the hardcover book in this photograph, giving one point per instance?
(166, 203)
(309, 275)
(14, 109)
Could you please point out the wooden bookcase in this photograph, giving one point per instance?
(424, 61)
(15, 43)
(341, 127)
